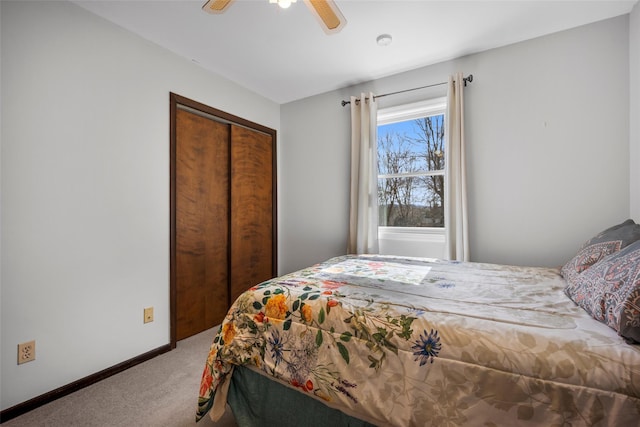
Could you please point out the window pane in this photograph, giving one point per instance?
(411, 201)
(412, 145)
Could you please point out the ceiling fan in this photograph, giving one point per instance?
(325, 11)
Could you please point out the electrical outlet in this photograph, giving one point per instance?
(26, 352)
(148, 314)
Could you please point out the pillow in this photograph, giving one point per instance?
(610, 291)
(603, 244)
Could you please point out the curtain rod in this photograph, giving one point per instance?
(468, 79)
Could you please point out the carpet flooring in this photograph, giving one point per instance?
(161, 392)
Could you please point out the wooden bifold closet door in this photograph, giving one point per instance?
(223, 237)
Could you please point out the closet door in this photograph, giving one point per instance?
(202, 218)
(223, 212)
(252, 217)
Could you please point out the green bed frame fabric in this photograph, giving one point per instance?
(257, 401)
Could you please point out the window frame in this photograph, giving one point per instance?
(403, 113)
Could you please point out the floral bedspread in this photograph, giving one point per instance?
(414, 342)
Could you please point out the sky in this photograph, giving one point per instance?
(407, 127)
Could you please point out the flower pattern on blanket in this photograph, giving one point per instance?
(280, 329)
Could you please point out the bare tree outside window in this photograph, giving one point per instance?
(411, 172)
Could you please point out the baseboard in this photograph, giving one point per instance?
(41, 400)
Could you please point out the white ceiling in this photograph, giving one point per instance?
(284, 55)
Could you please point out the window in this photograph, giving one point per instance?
(411, 155)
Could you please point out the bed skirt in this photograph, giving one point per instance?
(257, 401)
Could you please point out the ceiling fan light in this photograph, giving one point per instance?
(283, 3)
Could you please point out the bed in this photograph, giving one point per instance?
(399, 341)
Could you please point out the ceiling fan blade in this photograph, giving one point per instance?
(216, 6)
(328, 14)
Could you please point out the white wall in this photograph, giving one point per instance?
(634, 110)
(547, 124)
(85, 189)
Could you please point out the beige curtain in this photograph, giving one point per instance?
(363, 215)
(455, 208)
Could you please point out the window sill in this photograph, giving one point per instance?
(420, 234)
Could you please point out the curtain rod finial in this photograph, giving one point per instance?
(468, 79)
